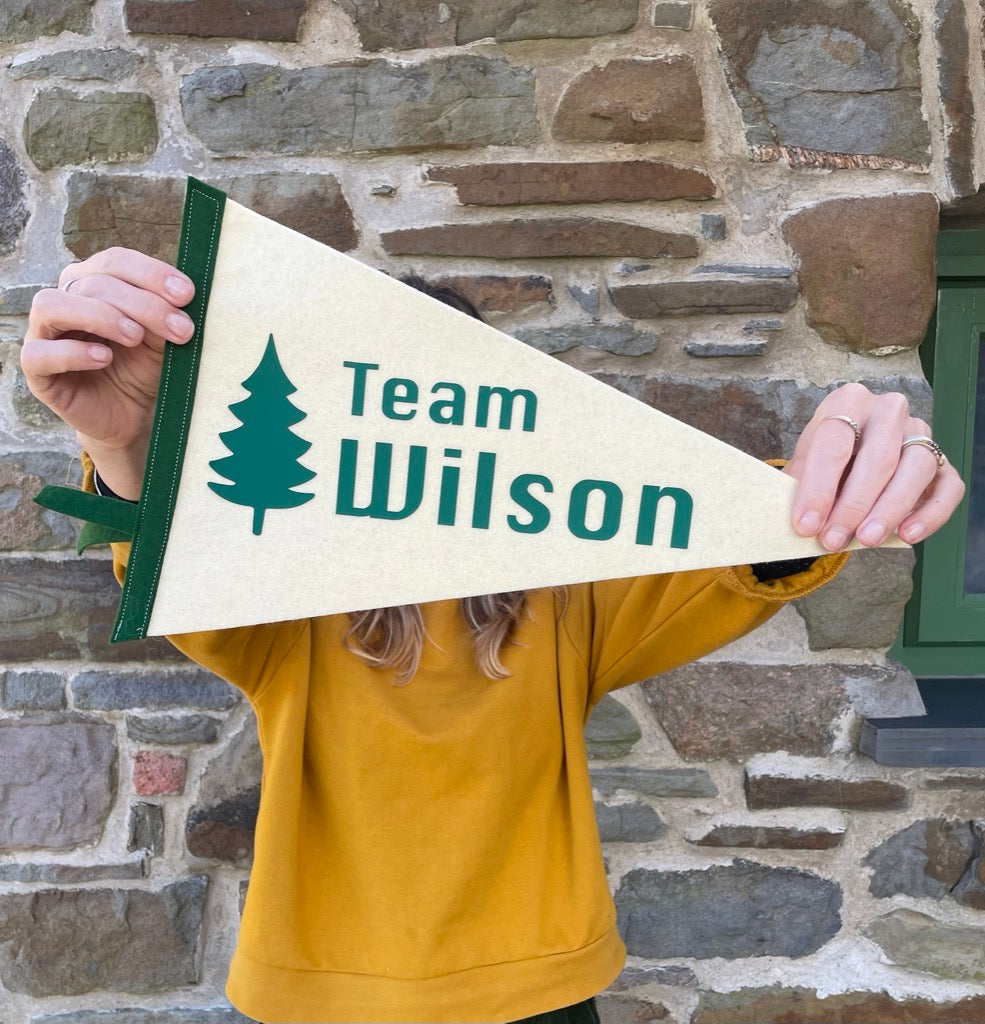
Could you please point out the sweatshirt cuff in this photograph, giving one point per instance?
(743, 580)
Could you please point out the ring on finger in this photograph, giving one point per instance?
(926, 442)
(67, 286)
(856, 429)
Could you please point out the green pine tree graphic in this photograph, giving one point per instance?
(263, 465)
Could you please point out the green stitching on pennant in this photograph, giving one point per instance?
(200, 228)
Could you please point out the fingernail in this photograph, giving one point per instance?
(872, 533)
(178, 287)
(810, 522)
(99, 354)
(180, 324)
(131, 328)
(912, 533)
(835, 538)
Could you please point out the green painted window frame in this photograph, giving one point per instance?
(943, 628)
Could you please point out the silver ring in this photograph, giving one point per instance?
(926, 442)
(856, 429)
(68, 284)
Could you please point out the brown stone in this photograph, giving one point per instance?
(733, 710)
(501, 293)
(770, 837)
(156, 773)
(544, 238)
(645, 300)
(867, 269)
(274, 20)
(805, 1006)
(766, 791)
(144, 213)
(25, 525)
(629, 181)
(633, 100)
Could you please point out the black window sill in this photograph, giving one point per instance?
(951, 734)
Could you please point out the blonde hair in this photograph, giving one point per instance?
(394, 637)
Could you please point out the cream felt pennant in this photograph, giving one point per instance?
(333, 440)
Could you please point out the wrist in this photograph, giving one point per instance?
(121, 468)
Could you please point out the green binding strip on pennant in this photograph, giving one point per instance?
(197, 248)
(107, 519)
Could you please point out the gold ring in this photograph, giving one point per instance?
(856, 429)
(927, 442)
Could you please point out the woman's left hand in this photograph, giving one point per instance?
(870, 486)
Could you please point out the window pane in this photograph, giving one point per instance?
(974, 578)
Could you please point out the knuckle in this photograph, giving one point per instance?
(893, 404)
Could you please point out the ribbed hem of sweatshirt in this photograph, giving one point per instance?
(491, 994)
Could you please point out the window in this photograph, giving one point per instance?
(942, 637)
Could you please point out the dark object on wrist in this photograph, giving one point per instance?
(767, 571)
(105, 490)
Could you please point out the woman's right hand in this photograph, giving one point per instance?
(93, 353)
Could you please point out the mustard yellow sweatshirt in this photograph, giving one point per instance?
(429, 852)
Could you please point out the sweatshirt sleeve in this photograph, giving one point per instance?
(630, 629)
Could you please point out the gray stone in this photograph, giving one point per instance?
(921, 943)
(838, 77)
(174, 729)
(619, 339)
(220, 825)
(628, 1010)
(65, 128)
(69, 942)
(934, 858)
(109, 65)
(687, 298)
(634, 822)
(374, 106)
(28, 410)
(673, 14)
(16, 300)
(206, 1015)
(744, 270)
(183, 688)
(863, 605)
(411, 24)
(612, 731)
(725, 347)
(692, 782)
(14, 212)
(763, 324)
(587, 298)
(32, 690)
(884, 693)
(957, 95)
(71, 874)
(25, 525)
(22, 20)
(57, 779)
(743, 909)
(654, 974)
(145, 828)
(712, 226)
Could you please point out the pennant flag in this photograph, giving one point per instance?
(333, 440)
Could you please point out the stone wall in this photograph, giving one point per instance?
(722, 208)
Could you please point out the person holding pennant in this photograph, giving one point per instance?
(426, 845)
